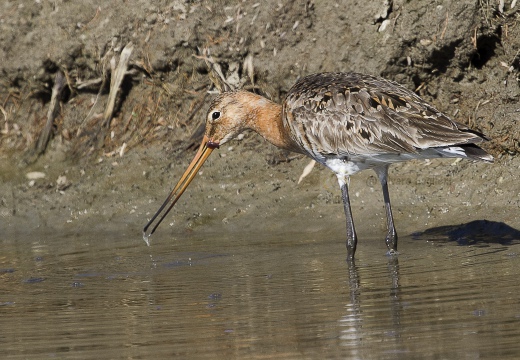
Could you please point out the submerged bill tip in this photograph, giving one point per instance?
(146, 238)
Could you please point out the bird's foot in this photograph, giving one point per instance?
(391, 241)
(392, 253)
(351, 247)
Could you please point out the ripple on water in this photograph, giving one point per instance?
(285, 296)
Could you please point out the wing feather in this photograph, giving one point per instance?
(348, 114)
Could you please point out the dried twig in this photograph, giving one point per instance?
(501, 6)
(215, 72)
(5, 131)
(118, 73)
(100, 90)
(43, 139)
(307, 170)
(474, 38)
(445, 26)
(249, 68)
(85, 84)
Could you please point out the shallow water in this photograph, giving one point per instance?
(102, 295)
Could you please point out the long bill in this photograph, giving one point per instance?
(204, 151)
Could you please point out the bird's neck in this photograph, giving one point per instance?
(266, 120)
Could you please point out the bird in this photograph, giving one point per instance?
(347, 122)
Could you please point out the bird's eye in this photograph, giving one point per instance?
(215, 115)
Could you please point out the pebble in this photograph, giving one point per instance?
(35, 175)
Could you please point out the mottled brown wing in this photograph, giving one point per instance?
(353, 114)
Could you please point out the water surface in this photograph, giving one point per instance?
(99, 295)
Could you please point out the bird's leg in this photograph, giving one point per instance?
(391, 236)
(351, 232)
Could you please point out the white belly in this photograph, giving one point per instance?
(344, 167)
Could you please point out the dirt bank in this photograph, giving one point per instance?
(460, 55)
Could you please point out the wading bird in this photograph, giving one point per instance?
(346, 121)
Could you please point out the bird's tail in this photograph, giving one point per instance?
(470, 151)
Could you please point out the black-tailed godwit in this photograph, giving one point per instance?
(346, 121)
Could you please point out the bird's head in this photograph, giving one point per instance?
(228, 115)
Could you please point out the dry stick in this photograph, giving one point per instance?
(249, 68)
(83, 123)
(215, 73)
(307, 170)
(5, 131)
(43, 140)
(445, 26)
(115, 82)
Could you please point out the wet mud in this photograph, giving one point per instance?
(462, 56)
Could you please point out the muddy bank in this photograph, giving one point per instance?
(460, 55)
